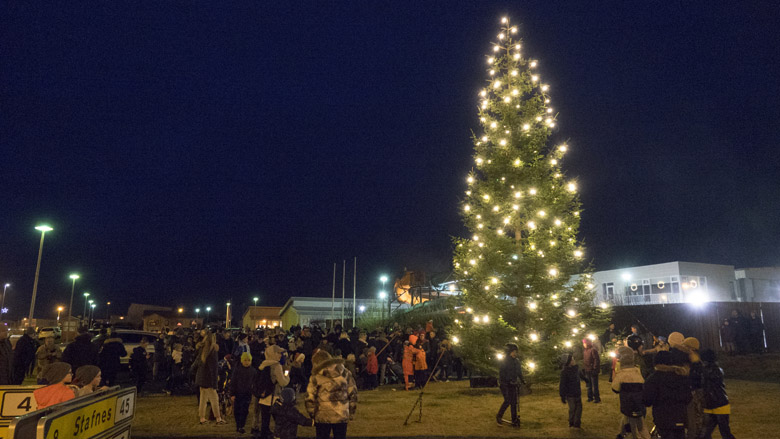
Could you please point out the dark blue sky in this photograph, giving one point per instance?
(190, 152)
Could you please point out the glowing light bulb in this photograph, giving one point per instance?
(571, 313)
(467, 208)
(603, 305)
(532, 191)
(571, 187)
(515, 207)
(533, 64)
(506, 220)
(497, 84)
(513, 30)
(514, 73)
(502, 142)
(485, 318)
(517, 162)
(472, 262)
(507, 99)
(553, 162)
(531, 225)
(476, 319)
(495, 48)
(541, 213)
(516, 56)
(469, 310)
(533, 336)
(557, 222)
(486, 197)
(490, 60)
(495, 208)
(545, 87)
(552, 243)
(562, 148)
(526, 127)
(504, 19)
(480, 226)
(494, 280)
(577, 253)
(499, 231)
(567, 344)
(515, 92)
(553, 272)
(492, 72)
(501, 36)
(493, 125)
(534, 78)
(549, 110)
(475, 237)
(484, 138)
(483, 93)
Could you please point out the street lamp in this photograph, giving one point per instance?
(255, 299)
(72, 277)
(382, 297)
(181, 310)
(208, 311)
(92, 314)
(43, 229)
(84, 314)
(197, 312)
(59, 310)
(2, 306)
(383, 279)
(227, 316)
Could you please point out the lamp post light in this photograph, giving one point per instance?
(43, 229)
(108, 312)
(59, 310)
(255, 299)
(92, 314)
(73, 278)
(84, 314)
(227, 316)
(382, 297)
(383, 279)
(208, 311)
(2, 306)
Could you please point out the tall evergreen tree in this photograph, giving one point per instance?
(521, 268)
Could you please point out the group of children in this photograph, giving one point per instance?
(686, 391)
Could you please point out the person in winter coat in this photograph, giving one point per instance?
(715, 400)
(756, 333)
(344, 345)
(628, 383)
(241, 390)
(6, 358)
(420, 365)
(110, 359)
(139, 364)
(331, 396)
(87, 379)
(695, 422)
(510, 375)
(81, 352)
(287, 418)
(46, 354)
(591, 368)
(408, 361)
(206, 379)
(569, 389)
(24, 355)
(372, 368)
(271, 368)
(57, 376)
(667, 390)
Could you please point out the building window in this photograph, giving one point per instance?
(608, 290)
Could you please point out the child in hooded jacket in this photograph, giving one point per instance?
(372, 368)
(628, 383)
(287, 418)
(570, 390)
(715, 400)
(241, 382)
(667, 390)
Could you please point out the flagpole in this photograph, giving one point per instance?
(343, 282)
(333, 299)
(354, 292)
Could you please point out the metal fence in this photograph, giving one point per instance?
(700, 321)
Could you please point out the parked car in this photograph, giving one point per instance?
(132, 339)
(49, 331)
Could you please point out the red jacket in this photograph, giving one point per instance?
(372, 365)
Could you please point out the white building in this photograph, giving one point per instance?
(758, 284)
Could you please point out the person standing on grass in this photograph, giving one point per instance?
(667, 390)
(24, 355)
(287, 418)
(46, 354)
(241, 390)
(270, 380)
(628, 383)
(206, 379)
(372, 368)
(408, 361)
(110, 359)
(139, 364)
(510, 376)
(569, 389)
(716, 404)
(331, 396)
(592, 365)
(420, 365)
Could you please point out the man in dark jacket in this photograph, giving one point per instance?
(24, 355)
(667, 390)
(592, 365)
(139, 364)
(110, 359)
(510, 376)
(6, 358)
(81, 352)
(716, 402)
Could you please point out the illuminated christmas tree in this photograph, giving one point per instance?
(521, 270)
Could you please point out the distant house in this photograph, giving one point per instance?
(256, 316)
(155, 321)
(135, 314)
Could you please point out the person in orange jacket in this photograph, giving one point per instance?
(408, 361)
(420, 365)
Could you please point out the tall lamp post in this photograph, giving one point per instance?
(2, 306)
(383, 279)
(227, 316)
(73, 278)
(382, 297)
(59, 310)
(84, 314)
(43, 229)
(92, 314)
(255, 299)
(208, 311)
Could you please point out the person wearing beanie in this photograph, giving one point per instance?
(510, 376)
(241, 390)
(331, 396)
(372, 368)
(269, 382)
(695, 425)
(628, 383)
(667, 390)
(57, 376)
(715, 403)
(287, 418)
(408, 361)
(87, 380)
(570, 390)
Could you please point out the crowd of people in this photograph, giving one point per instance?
(742, 335)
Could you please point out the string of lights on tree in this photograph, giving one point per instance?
(521, 269)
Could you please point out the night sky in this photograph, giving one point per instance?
(187, 153)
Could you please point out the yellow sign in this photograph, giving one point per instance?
(15, 401)
(91, 420)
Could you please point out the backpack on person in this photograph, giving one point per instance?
(264, 384)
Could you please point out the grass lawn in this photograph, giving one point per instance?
(453, 409)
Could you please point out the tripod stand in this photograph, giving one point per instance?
(419, 401)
